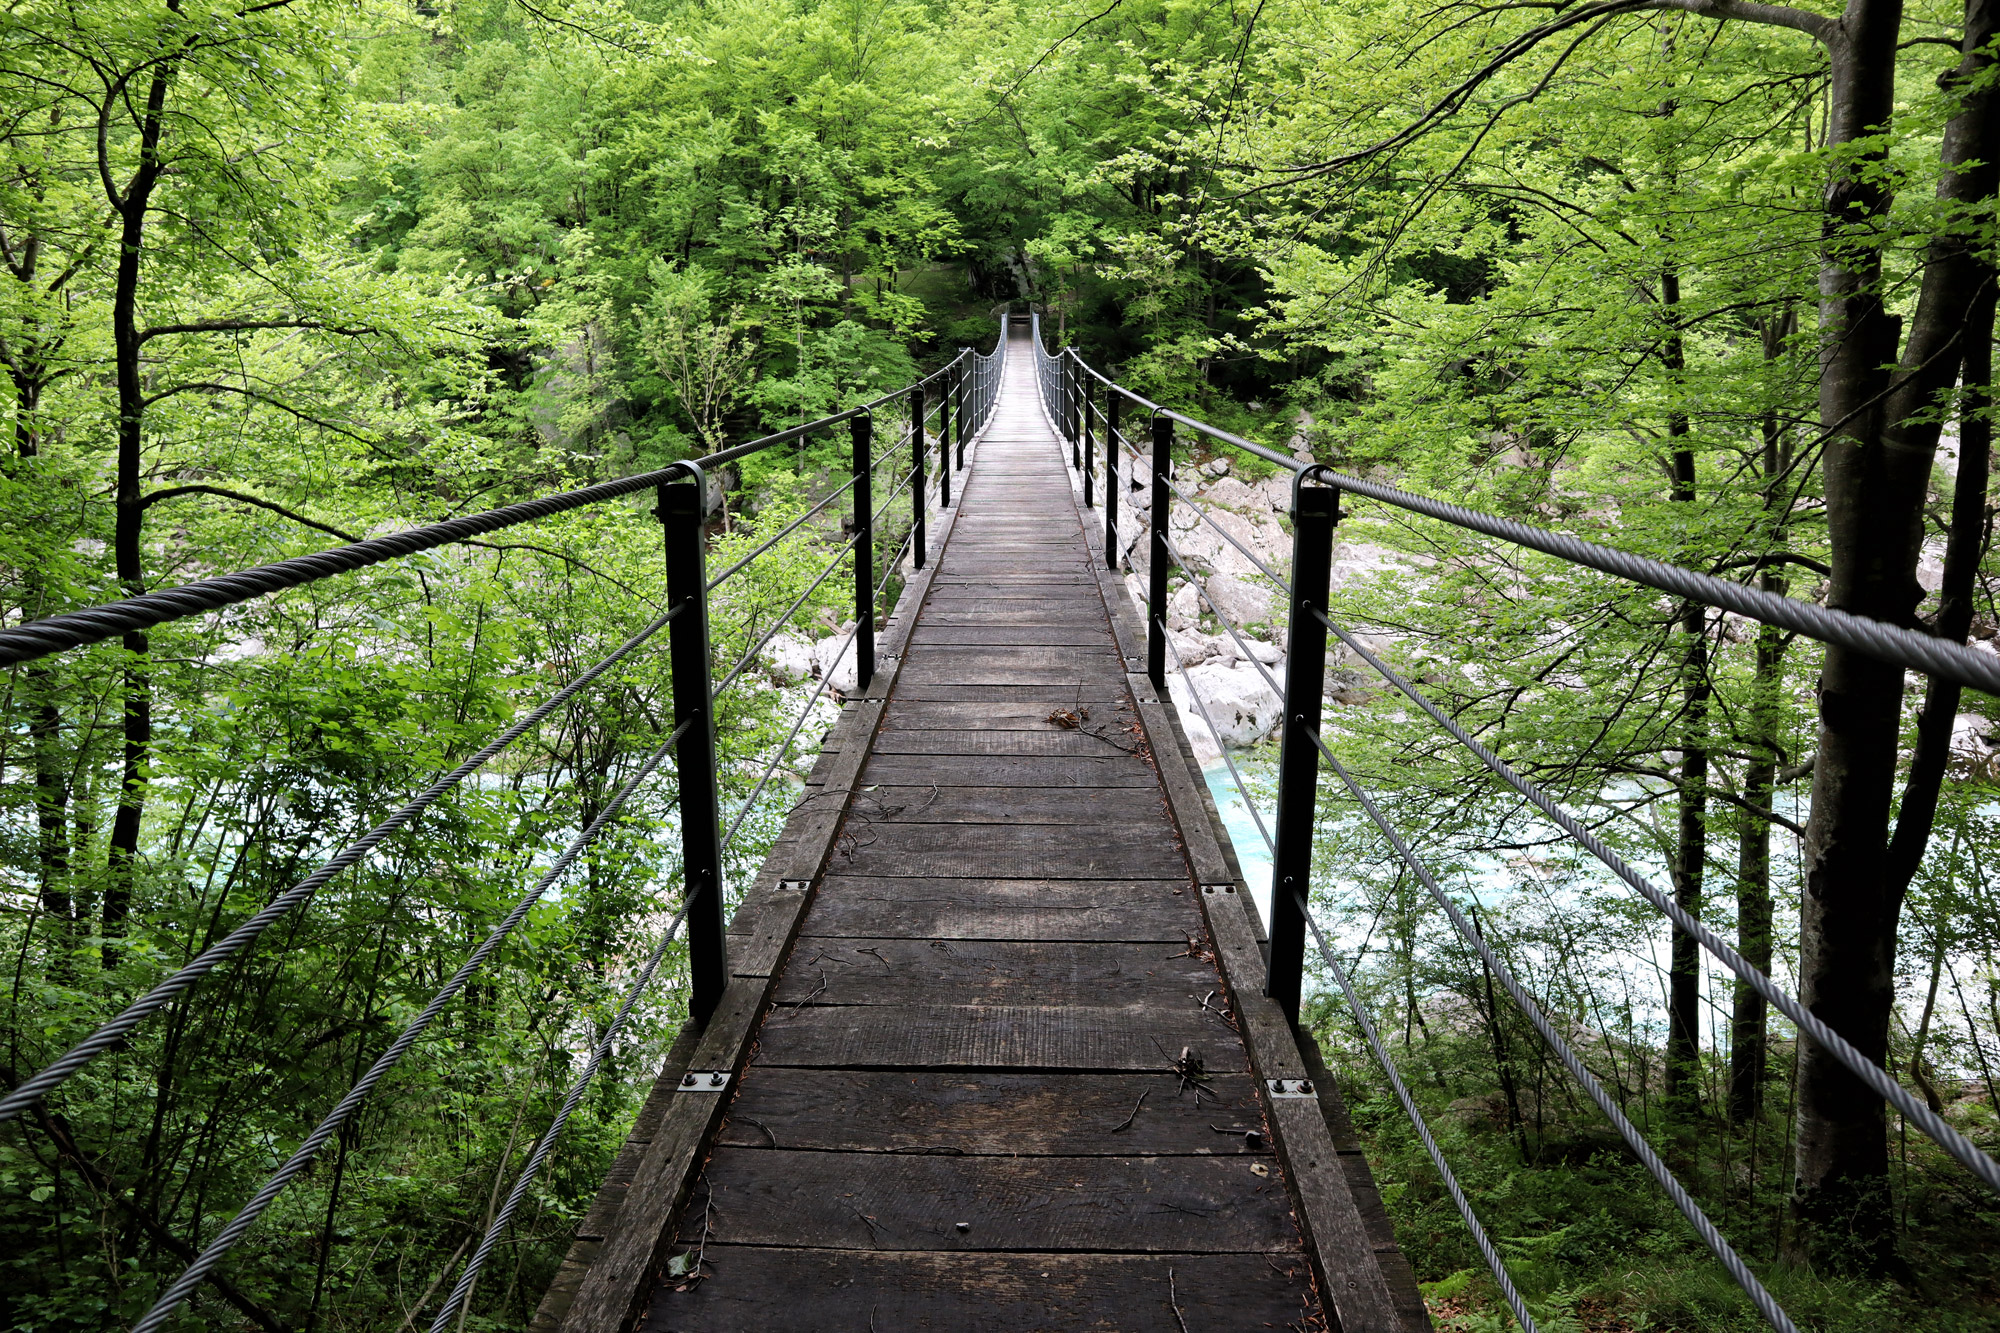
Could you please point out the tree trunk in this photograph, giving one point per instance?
(1749, 1043)
(1877, 473)
(132, 208)
(1683, 1065)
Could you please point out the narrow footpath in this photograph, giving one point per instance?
(999, 1087)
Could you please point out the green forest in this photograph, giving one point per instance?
(1712, 281)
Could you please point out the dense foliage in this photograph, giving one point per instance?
(284, 274)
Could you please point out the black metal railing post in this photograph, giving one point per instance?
(864, 551)
(944, 432)
(1156, 564)
(1112, 402)
(683, 506)
(978, 394)
(1089, 457)
(1071, 381)
(1315, 509)
(918, 482)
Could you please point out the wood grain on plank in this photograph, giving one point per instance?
(1018, 909)
(811, 1291)
(999, 1036)
(1088, 806)
(908, 770)
(845, 970)
(1088, 1115)
(857, 1201)
(1020, 851)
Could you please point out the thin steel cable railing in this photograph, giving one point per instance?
(805, 713)
(1487, 1250)
(1479, 1236)
(183, 978)
(238, 1226)
(778, 625)
(1718, 1245)
(1202, 705)
(1710, 1236)
(1878, 1080)
(783, 533)
(461, 1290)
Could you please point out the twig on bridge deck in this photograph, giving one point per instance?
(1174, 1300)
(1126, 1123)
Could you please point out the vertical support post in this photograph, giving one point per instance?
(1112, 403)
(1156, 564)
(1070, 386)
(918, 482)
(961, 410)
(944, 433)
(1315, 509)
(1089, 456)
(864, 551)
(682, 508)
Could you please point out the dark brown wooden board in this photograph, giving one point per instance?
(845, 970)
(1069, 634)
(1046, 695)
(1000, 1036)
(925, 715)
(1019, 909)
(869, 1201)
(1018, 851)
(1089, 806)
(821, 1291)
(1090, 1115)
(913, 770)
(1095, 738)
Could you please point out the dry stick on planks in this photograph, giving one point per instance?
(1173, 1299)
(1126, 1123)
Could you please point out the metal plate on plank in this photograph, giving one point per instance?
(705, 1080)
(1289, 1089)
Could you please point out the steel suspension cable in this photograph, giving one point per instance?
(779, 624)
(111, 1033)
(1202, 705)
(783, 533)
(1720, 1247)
(1487, 1249)
(1877, 1079)
(462, 1290)
(183, 1286)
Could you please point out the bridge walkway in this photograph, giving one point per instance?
(1000, 1080)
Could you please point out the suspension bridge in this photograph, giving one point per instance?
(996, 1038)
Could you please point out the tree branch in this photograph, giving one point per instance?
(199, 489)
(237, 325)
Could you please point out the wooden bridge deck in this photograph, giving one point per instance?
(954, 1104)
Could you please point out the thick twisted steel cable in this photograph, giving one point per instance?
(73, 629)
(1202, 706)
(1885, 642)
(783, 533)
(462, 1289)
(1870, 1073)
(779, 624)
(1487, 1250)
(196, 1272)
(1774, 1314)
(113, 1032)
(1888, 643)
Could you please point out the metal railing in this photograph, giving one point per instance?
(1071, 393)
(943, 411)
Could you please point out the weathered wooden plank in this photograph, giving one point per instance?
(856, 1201)
(1020, 851)
(997, 909)
(1089, 806)
(899, 770)
(1101, 739)
(1047, 695)
(996, 1036)
(924, 715)
(1079, 633)
(811, 1291)
(829, 1110)
(903, 971)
